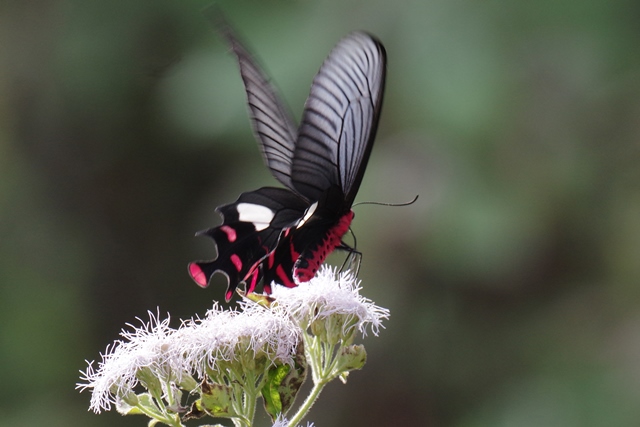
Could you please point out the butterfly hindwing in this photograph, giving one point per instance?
(239, 247)
(278, 266)
(298, 255)
(250, 230)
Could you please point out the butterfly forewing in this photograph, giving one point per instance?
(340, 119)
(272, 122)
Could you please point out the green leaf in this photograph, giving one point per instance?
(126, 409)
(143, 400)
(270, 390)
(295, 378)
(261, 299)
(283, 383)
(215, 400)
(350, 358)
(196, 412)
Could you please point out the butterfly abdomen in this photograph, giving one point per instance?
(312, 258)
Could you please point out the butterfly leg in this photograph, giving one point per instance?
(353, 260)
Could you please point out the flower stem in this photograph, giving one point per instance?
(163, 418)
(321, 357)
(308, 403)
(250, 406)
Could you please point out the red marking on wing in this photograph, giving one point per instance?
(198, 275)
(230, 232)
(254, 268)
(329, 243)
(237, 262)
(294, 254)
(254, 280)
(267, 288)
(284, 277)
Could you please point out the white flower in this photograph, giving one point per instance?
(146, 347)
(227, 346)
(156, 355)
(283, 422)
(331, 293)
(234, 335)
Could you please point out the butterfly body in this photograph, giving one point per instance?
(310, 260)
(283, 235)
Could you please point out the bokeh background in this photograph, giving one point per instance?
(513, 281)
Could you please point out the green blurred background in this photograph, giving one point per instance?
(512, 281)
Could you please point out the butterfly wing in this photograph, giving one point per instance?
(340, 119)
(272, 123)
(325, 160)
(250, 231)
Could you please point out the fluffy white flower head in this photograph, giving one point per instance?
(145, 347)
(283, 422)
(331, 293)
(230, 335)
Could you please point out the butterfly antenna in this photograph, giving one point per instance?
(388, 204)
(355, 241)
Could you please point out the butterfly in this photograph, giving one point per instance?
(283, 235)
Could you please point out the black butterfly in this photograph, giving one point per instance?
(284, 235)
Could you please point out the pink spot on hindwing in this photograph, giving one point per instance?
(230, 232)
(237, 262)
(198, 275)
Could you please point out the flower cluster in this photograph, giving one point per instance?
(331, 294)
(146, 348)
(227, 359)
(230, 335)
(155, 351)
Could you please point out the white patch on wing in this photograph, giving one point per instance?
(308, 214)
(259, 215)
